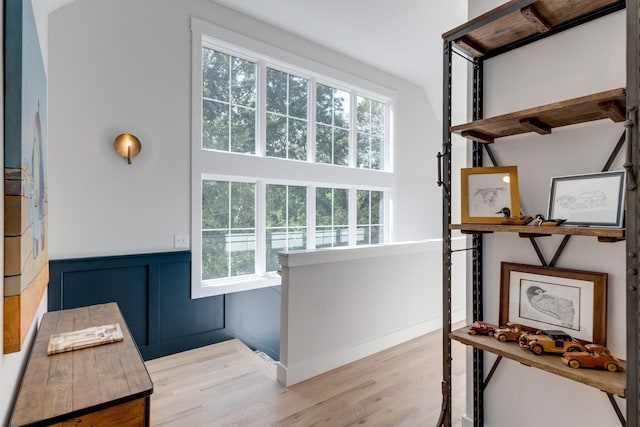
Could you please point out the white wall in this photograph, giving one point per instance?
(387, 295)
(11, 365)
(125, 66)
(582, 61)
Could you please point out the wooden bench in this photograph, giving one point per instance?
(105, 385)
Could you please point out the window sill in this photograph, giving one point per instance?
(207, 289)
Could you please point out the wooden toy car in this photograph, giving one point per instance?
(511, 332)
(596, 356)
(550, 341)
(480, 328)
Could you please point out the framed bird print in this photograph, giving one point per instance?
(486, 191)
(573, 301)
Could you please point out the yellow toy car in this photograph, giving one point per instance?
(511, 332)
(597, 356)
(549, 341)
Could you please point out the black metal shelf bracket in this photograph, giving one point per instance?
(534, 243)
(617, 409)
(465, 249)
(557, 254)
(615, 151)
(491, 372)
(463, 56)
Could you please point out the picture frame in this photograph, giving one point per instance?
(486, 190)
(589, 200)
(538, 297)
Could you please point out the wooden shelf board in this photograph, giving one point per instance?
(609, 104)
(517, 20)
(604, 234)
(608, 382)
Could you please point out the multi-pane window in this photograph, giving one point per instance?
(291, 126)
(231, 231)
(230, 114)
(228, 102)
(228, 229)
(332, 217)
(370, 220)
(286, 115)
(370, 131)
(286, 221)
(332, 125)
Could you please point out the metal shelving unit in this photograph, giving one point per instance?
(510, 26)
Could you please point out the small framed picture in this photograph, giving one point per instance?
(573, 301)
(595, 199)
(485, 191)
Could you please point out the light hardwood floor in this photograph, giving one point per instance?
(228, 385)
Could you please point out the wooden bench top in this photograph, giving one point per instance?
(76, 383)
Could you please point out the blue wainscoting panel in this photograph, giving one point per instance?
(254, 318)
(180, 315)
(153, 292)
(127, 285)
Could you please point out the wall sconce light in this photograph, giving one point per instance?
(127, 145)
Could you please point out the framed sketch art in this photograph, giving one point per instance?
(573, 301)
(487, 190)
(595, 199)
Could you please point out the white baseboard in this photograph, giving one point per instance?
(289, 375)
(466, 421)
(457, 316)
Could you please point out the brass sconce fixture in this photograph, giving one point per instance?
(127, 145)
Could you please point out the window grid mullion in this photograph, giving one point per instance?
(230, 110)
(333, 132)
(353, 130)
(311, 216)
(287, 119)
(286, 217)
(229, 213)
(261, 228)
(386, 143)
(371, 218)
(333, 223)
(352, 215)
(311, 120)
(370, 138)
(261, 115)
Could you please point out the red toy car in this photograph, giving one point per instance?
(480, 328)
(597, 356)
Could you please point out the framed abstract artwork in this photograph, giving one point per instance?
(26, 260)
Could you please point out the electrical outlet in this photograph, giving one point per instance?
(180, 241)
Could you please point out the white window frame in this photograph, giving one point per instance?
(228, 166)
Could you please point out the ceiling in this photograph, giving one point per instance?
(401, 37)
(52, 5)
